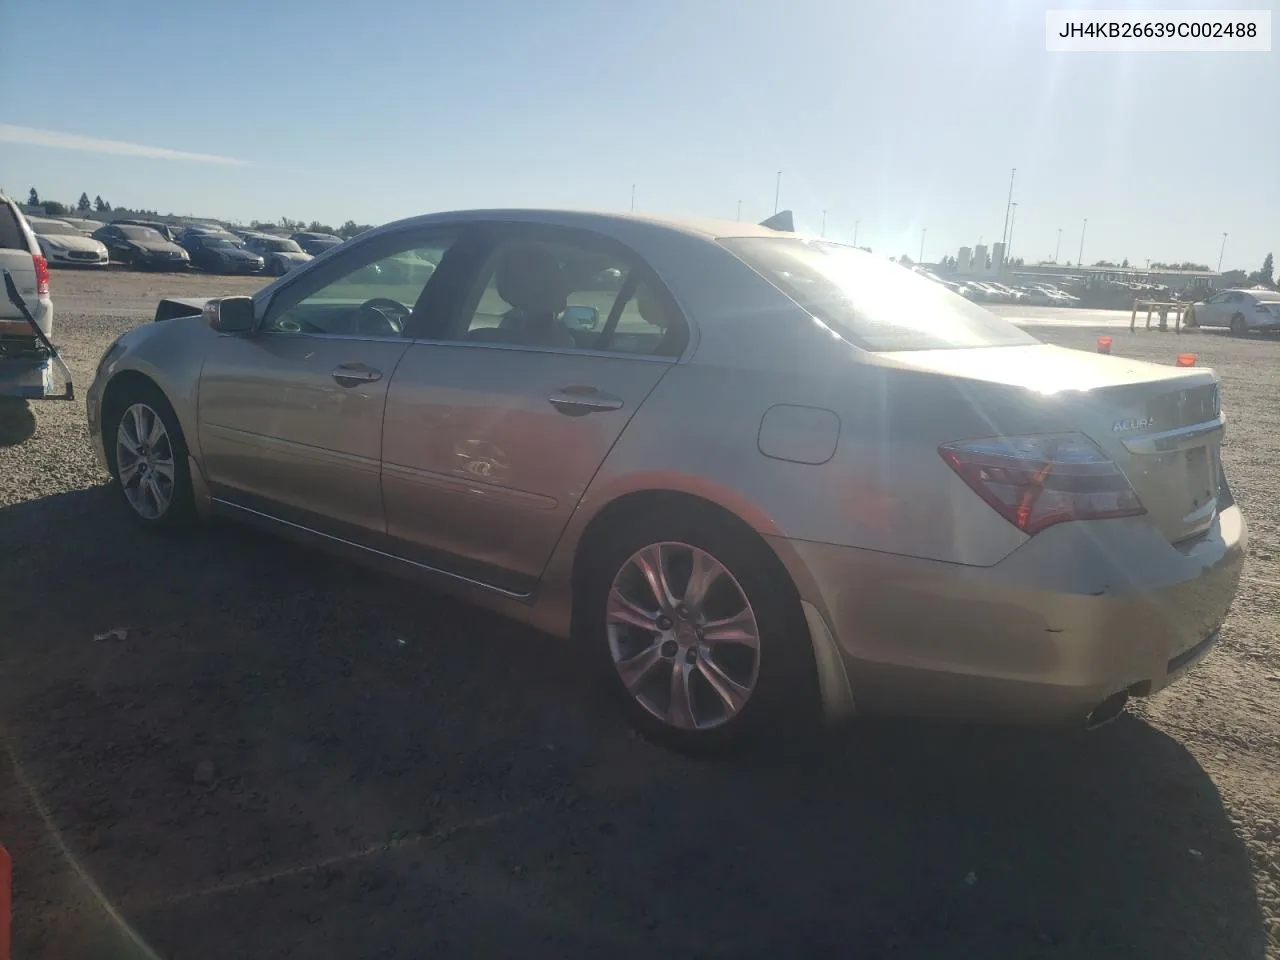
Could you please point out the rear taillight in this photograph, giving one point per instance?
(1035, 482)
(42, 275)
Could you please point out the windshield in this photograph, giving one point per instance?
(220, 243)
(141, 233)
(873, 302)
(51, 228)
(281, 246)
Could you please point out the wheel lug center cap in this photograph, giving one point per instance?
(664, 623)
(691, 655)
(670, 648)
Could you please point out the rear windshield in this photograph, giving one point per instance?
(870, 301)
(141, 233)
(11, 235)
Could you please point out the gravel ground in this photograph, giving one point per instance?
(287, 755)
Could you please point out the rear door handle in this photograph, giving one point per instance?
(354, 374)
(577, 401)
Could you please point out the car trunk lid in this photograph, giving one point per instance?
(1162, 426)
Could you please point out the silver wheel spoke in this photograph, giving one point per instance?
(139, 423)
(635, 670)
(156, 431)
(622, 610)
(680, 709)
(163, 468)
(128, 470)
(729, 690)
(126, 441)
(649, 562)
(739, 628)
(705, 571)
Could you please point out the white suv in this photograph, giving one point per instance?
(20, 254)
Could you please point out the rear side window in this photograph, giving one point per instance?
(871, 302)
(12, 236)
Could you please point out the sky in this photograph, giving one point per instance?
(901, 119)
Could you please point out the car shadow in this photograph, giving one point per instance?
(17, 421)
(280, 753)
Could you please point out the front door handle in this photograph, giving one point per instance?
(354, 374)
(578, 401)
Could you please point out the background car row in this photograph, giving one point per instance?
(156, 245)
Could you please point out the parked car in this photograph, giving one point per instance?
(29, 368)
(64, 245)
(164, 229)
(20, 254)
(280, 253)
(141, 247)
(316, 243)
(767, 471)
(218, 254)
(1241, 311)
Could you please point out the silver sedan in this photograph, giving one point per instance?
(747, 470)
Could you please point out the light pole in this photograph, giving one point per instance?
(739, 209)
(633, 198)
(824, 224)
(1008, 247)
(1222, 252)
(855, 232)
(923, 231)
(1007, 206)
(1080, 255)
(777, 191)
(1058, 247)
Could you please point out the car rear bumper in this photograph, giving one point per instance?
(1080, 612)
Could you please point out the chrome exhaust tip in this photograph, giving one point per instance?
(1107, 711)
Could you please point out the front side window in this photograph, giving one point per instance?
(570, 295)
(871, 302)
(370, 297)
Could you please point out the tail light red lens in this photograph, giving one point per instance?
(42, 275)
(1035, 482)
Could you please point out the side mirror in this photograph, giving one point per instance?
(581, 318)
(230, 314)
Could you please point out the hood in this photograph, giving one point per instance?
(238, 254)
(64, 241)
(294, 257)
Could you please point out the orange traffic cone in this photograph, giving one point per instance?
(1186, 360)
(1104, 344)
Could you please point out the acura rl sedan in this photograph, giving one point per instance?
(752, 473)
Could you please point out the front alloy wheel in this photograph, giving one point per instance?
(684, 637)
(145, 461)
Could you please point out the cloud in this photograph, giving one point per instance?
(72, 141)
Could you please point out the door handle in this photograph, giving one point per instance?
(354, 374)
(577, 401)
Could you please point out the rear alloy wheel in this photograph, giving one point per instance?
(148, 459)
(701, 648)
(1238, 328)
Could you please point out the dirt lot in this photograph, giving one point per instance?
(288, 755)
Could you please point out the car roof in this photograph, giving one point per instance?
(602, 221)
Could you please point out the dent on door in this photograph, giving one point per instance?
(487, 451)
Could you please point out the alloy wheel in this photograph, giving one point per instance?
(145, 461)
(683, 635)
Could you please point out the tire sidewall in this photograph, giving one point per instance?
(181, 508)
(786, 671)
(1238, 328)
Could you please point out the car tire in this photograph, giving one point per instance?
(153, 496)
(1238, 327)
(278, 268)
(1189, 319)
(768, 689)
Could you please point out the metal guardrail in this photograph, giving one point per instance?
(1161, 309)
